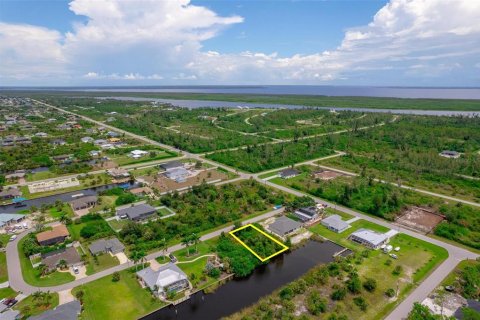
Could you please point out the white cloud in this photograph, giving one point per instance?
(149, 40)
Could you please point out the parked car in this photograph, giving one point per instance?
(75, 270)
(393, 255)
(450, 288)
(172, 258)
(13, 237)
(10, 302)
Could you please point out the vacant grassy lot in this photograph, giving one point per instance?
(103, 261)
(123, 300)
(3, 267)
(36, 305)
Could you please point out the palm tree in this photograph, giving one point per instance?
(63, 218)
(195, 239)
(134, 258)
(186, 243)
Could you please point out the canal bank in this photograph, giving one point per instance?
(240, 293)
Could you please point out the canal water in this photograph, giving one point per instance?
(193, 104)
(64, 197)
(240, 293)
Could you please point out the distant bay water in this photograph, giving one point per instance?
(360, 91)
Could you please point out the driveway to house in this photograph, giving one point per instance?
(18, 284)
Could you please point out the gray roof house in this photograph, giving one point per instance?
(83, 202)
(335, 223)
(137, 212)
(369, 238)
(288, 173)
(10, 193)
(67, 311)
(172, 165)
(307, 213)
(450, 154)
(9, 218)
(70, 255)
(167, 278)
(284, 226)
(177, 174)
(113, 246)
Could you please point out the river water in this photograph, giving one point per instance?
(240, 293)
(192, 104)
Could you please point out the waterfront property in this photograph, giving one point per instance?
(167, 279)
(112, 246)
(10, 194)
(83, 203)
(283, 226)
(172, 165)
(137, 212)
(67, 311)
(119, 175)
(177, 174)
(369, 238)
(58, 234)
(335, 223)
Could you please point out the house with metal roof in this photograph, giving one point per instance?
(288, 173)
(137, 212)
(67, 311)
(168, 278)
(172, 165)
(369, 238)
(335, 223)
(7, 219)
(307, 214)
(450, 154)
(112, 246)
(284, 226)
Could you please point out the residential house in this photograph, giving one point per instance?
(41, 134)
(137, 212)
(168, 278)
(10, 194)
(112, 246)
(99, 142)
(85, 202)
(113, 134)
(177, 174)
(94, 153)
(18, 174)
(23, 140)
(172, 165)
(141, 191)
(138, 154)
(119, 174)
(58, 234)
(307, 214)
(450, 154)
(369, 238)
(58, 142)
(67, 311)
(64, 158)
(87, 139)
(284, 226)
(69, 255)
(7, 219)
(335, 223)
(288, 173)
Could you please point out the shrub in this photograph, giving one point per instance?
(370, 284)
(390, 293)
(339, 294)
(116, 277)
(354, 285)
(315, 304)
(361, 303)
(397, 271)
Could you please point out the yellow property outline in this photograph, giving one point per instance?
(285, 248)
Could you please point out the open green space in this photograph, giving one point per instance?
(3, 267)
(260, 244)
(104, 299)
(7, 293)
(100, 262)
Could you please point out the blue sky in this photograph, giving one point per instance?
(114, 42)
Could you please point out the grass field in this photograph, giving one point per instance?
(104, 261)
(7, 293)
(123, 300)
(33, 276)
(3, 267)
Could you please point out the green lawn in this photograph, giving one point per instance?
(104, 261)
(3, 267)
(194, 271)
(37, 305)
(123, 300)
(341, 238)
(117, 224)
(205, 247)
(41, 175)
(345, 216)
(33, 277)
(452, 276)
(7, 293)
(4, 238)
(56, 214)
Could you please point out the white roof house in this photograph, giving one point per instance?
(335, 223)
(138, 153)
(369, 238)
(178, 174)
(166, 278)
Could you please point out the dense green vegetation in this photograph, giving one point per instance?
(236, 258)
(387, 201)
(259, 243)
(270, 156)
(203, 208)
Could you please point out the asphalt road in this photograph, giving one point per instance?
(456, 254)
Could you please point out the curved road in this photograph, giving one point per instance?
(456, 254)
